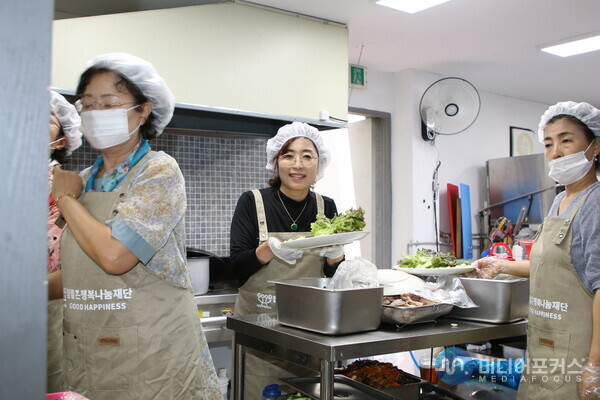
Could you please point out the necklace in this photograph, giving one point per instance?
(293, 226)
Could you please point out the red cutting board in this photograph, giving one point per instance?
(452, 194)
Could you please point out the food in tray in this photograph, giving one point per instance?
(407, 300)
(426, 258)
(377, 374)
(349, 221)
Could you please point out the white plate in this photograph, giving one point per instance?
(435, 271)
(325, 240)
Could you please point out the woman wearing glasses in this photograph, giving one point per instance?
(131, 328)
(263, 219)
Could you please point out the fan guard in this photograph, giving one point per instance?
(448, 106)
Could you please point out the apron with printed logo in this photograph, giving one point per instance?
(559, 331)
(129, 336)
(257, 296)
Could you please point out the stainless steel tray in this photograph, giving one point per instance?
(499, 300)
(411, 315)
(306, 303)
(348, 389)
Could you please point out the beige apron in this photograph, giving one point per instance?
(54, 381)
(257, 296)
(129, 336)
(559, 332)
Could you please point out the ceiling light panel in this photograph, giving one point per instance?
(410, 6)
(575, 47)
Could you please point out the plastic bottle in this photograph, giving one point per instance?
(517, 251)
(223, 381)
(271, 392)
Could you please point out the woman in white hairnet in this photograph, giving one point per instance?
(563, 337)
(131, 327)
(65, 138)
(297, 158)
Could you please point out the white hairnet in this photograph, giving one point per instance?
(294, 130)
(144, 75)
(584, 112)
(69, 120)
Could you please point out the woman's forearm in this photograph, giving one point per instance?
(517, 268)
(264, 254)
(95, 238)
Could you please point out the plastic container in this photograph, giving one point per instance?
(271, 392)
(427, 368)
(517, 252)
(527, 243)
(223, 381)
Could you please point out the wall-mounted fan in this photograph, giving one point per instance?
(448, 106)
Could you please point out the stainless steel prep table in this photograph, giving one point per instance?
(263, 332)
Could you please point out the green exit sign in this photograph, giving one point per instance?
(358, 76)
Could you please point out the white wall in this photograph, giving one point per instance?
(224, 55)
(360, 140)
(349, 178)
(463, 156)
(377, 96)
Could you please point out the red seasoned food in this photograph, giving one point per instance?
(377, 374)
(407, 300)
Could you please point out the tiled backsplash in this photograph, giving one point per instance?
(216, 170)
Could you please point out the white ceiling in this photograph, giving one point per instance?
(494, 44)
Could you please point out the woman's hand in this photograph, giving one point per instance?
(589, 387)
(66, 183)
(488, 268)
(334, 254)
(288, 255)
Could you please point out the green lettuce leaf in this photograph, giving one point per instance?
(349, 221)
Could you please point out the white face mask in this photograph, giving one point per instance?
(106, 128)
(570, 169)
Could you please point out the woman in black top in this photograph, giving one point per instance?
(244, 228)
(265, 218)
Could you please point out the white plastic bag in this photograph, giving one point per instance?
(446, 289)
(354, 273)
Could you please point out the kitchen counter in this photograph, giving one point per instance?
(318, 352)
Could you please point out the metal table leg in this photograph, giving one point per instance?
(326, 380)
(239, 363)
